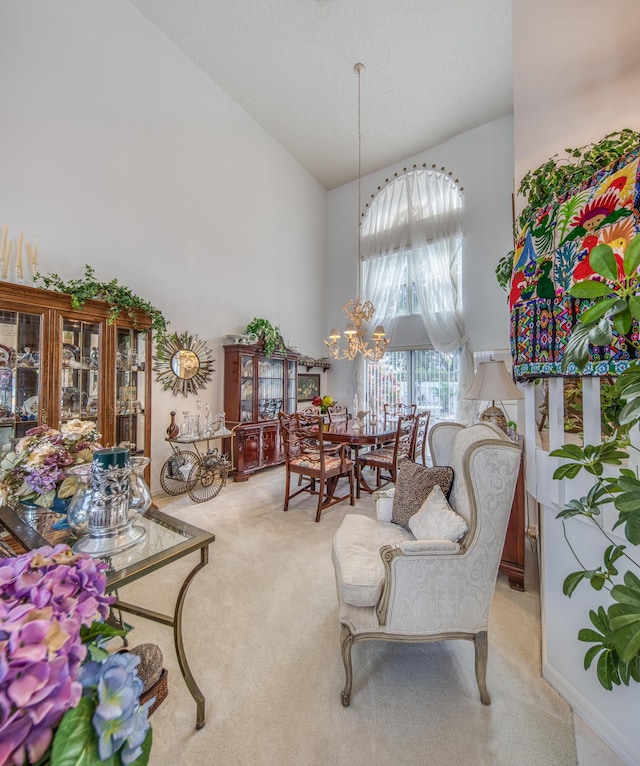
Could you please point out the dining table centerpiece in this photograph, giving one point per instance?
(35, 471)
(324, 402)
(64, 699)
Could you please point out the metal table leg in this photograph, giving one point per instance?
(176, 623)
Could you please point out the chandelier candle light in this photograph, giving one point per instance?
(358, 312)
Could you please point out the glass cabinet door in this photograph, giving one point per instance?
(80, 374)
(20, 348)
(246, 388)
(131, 353)
(292, 384)
(270, 388)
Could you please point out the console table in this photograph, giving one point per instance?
(167, 540)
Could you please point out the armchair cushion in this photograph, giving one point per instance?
(356, 557)
(436, 520)
(413, 485)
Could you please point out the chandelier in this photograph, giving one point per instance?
(358, 313)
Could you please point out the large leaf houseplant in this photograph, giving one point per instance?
(613, 292)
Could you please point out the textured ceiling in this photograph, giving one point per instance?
(433, 70)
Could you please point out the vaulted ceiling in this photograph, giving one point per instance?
(433, 69)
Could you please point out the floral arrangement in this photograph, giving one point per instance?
(35, 469)
(63, 698)
(324, 402)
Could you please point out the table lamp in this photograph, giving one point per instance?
(493, 382)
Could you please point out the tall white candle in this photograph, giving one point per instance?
(3, 244)
(7, 260)
(19, 255)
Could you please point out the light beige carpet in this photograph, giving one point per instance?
(262, 637)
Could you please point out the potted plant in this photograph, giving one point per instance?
(267, 334)
(614, 635)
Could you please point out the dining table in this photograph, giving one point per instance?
(358, 435)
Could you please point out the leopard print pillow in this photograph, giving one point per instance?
(413, 485)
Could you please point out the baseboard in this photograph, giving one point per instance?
(612, 738)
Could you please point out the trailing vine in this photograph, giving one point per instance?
(121, 299)
(559, 175)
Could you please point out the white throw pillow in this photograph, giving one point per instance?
(436, 520)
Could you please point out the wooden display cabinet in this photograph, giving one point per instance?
(256, 388)
(58, 363)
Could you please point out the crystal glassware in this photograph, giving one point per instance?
(139, 493)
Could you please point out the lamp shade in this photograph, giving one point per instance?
(493, 382)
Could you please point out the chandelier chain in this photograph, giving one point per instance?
(358, 68)
(358, 313)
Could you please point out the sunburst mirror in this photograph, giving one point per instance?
(185, 364)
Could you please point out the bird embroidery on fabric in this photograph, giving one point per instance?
(584, 269)
(596, 214)
(516, 288)
(545, 284)
(527, 254)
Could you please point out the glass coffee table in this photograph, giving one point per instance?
(167, 540)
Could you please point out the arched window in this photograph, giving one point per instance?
(411, 241)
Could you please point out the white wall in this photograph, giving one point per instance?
(572, 87)
(482, 161)
(117, 151)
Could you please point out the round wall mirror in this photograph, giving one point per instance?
(184, 365)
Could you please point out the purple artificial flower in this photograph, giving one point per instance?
(46, 596)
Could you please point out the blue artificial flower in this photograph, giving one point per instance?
(119, 720)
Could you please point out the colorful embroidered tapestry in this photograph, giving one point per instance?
(552, 253)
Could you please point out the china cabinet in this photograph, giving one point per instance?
(58, 363)
(256, 388)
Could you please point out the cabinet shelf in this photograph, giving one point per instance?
(309, 362)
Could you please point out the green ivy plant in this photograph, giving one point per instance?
(267, 334)
(558, 175)
(121, 299)
(614, 634)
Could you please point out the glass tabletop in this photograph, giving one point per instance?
(167, 539)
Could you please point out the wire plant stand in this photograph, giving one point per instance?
(200, 472)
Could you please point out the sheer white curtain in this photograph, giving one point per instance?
(413, 229)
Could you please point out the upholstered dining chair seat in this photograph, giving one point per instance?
(382, 457)
(313, 459)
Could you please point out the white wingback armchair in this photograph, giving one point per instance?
(396, 588)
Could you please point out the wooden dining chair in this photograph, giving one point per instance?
(385, 459)
(420, 442)
(311, 411)
(393, 411)
(337, 414)
(321, 465)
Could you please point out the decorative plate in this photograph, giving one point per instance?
(69, 352)
(5, 354)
